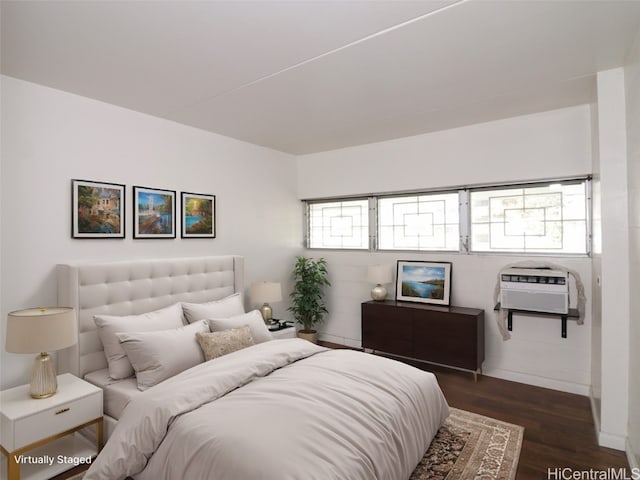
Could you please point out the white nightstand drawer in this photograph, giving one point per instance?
(289, 332)
(50, 422)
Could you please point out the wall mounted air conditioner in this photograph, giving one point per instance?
(535, 289)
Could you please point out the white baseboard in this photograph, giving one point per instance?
(595, 413)
(537, 381)
(609, 440)
(632, 458)
(347, 342)
(617, 442)
(534, 380)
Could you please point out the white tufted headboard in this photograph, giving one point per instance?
(134, 287)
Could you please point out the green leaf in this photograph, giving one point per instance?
(307, 298)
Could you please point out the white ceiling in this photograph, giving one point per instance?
(307, 76)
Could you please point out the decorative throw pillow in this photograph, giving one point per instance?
(156, 356)
(259, 330)
(216, 344)
(108, 325)
(226, 307)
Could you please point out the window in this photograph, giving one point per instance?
(419, 222)
(339, 224)
(548, 218)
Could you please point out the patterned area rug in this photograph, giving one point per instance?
(471, 446)
(468, 446)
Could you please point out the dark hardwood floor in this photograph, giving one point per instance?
(559, 431)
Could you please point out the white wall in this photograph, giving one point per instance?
(614, 260)
(549, 144)
(632, 88)
(596, 275)
(50, 137)
(545, 145)
(2, 310)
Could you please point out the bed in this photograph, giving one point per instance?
(276, 409)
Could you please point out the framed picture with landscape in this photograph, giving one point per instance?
(154, 213)
(198, 215)
(97, 209)
(425, 282)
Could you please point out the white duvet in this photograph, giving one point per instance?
(280, 410)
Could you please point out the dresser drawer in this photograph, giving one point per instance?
(50, 422)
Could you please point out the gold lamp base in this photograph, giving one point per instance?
(44, 383)
(267, 313)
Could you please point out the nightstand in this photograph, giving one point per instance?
(281, 329)
(39, 437)
(288, 332)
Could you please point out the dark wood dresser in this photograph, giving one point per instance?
(450, 336)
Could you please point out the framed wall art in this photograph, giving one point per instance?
(154, 213)
(425, 282)
(97, 209)
(198, 215)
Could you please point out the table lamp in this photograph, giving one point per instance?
(41, 330)
(264, 293)
(379, 274)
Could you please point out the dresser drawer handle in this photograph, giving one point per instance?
(63, 411)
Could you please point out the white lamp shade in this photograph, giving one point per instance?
(265, 292)
(41, 329)
(379, 274)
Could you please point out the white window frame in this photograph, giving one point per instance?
(307, 222)
(419, 194)
(548, 253)
(464, 218)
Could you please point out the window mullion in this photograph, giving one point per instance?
(306, 224)
(465, 219)
(373, 224)
(589, 215)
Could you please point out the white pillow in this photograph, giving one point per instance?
(108, 325)
(259, 330)
(224, 308)
(156, 356)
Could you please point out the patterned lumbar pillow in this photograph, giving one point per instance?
(216, 344)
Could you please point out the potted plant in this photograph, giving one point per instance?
(307, 298)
